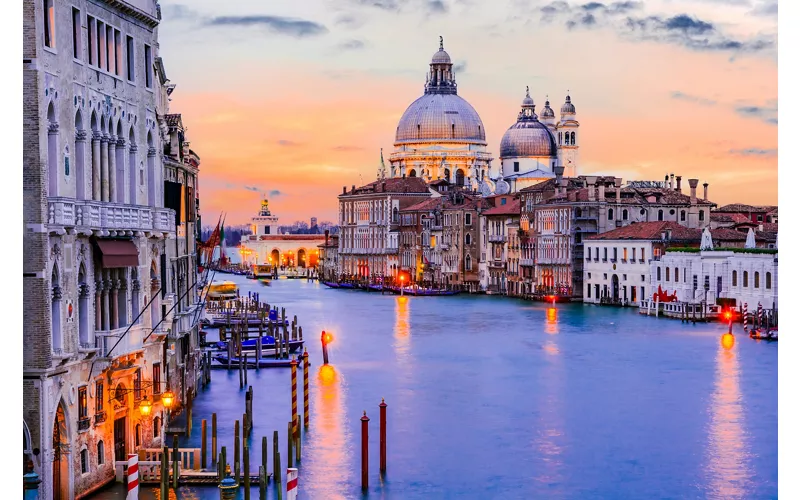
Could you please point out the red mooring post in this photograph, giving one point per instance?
(382, 406)
(365, 451)
(324, 348)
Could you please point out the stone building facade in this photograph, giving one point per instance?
(98, 239)
(369, 226)
(329, 258)
(499, 225)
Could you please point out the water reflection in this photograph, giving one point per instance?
(328, 471)
(728, 455)
(550, 425)
(402, 329)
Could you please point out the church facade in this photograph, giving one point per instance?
(267, 246)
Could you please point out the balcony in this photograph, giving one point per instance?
(99, 417)
(84, 423)
(526, 262)
(98, 215)
(497, 238)
(131, 342)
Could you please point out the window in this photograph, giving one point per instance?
(137, 385)
(98, 397)
(667, 271)
(596, 253)
(101, 453)
(760, 218)
(468, 239)
(624, 254)
(660, 215)
(137, 436)
(769, 281)
(605, 254)
(148, 74)
(572, 138)
(642, 255)
(643, 277)
(694, 282)
(625, 214)
(560, 135)
(516, 166)
(590, 275)
(468, 219)
(589, 291)
(702, 215)
(84, 461)
(468, 263)
(117, 53)
(658, 274)
(49, 24)
(502, 201)
(733, 279)
(677, 275)
(90, 25)
(610, 214)
(76, 33)
(130, 59)
(615, 253)
(756, 280)
(744, 279)
(83, 403)
(707, 283)
(156, 426)
(683, 215)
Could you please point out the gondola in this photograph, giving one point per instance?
(330, 284)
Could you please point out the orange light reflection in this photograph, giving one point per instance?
(728, 456)
(548, 429)
(551, 325)
(402, 329)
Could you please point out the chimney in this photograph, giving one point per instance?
(618, 187)
(601, 191)
(666, 181)
(693, 191)
(563, 183)
(671, 180)
(354, 189)
(590, 180)
(327, 232)
(404, 175)
(705, 191)
(383, 186)
(344, 189)
(678, 187)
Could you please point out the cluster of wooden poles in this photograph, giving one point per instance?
(365, 444)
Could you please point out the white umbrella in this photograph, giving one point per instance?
(751, 239)
(706, 243)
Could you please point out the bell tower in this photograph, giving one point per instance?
(568, 138)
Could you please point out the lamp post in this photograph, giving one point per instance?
(167, 399)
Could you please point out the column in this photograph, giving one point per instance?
(112, 168)
(96, 166)
(120, 185)
(98, 305)
(80, 164)
(104, 168)
(114, 311)
(122, 303)
(106, 309)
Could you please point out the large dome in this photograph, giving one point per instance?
(440, 117)
(528, 137)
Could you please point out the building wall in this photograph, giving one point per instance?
(631, 268)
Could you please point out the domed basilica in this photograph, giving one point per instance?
(441, 136)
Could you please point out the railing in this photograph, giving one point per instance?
(132, 341)
(497, 238)
(526, 262)
(107, 215)
(188, 458)
(99, 417)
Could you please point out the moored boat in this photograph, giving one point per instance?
(267, 344)
(224, 290)
(252, 362)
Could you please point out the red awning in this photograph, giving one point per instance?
(118, 253)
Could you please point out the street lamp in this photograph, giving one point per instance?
(145, 406)
(168, 398)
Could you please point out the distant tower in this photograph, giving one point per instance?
(568, 139)
(313, 222)
(382, 168)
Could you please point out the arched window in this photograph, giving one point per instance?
(660, 215)
(101, 453)
(468, 239)
(769, 281)
(733, 279)
(55, 311)
(412, 173)
(658, 273)
(459, 177)
(610, 214)
(135, 295)
(395, 215)
(468, 263)
(756, 280)
(156, 426)
(132, 168)
(667, 270)
(84, 461)
(625, 214)
(677, 275)
(447, 174)
(137, 436)
(572, 139)
(118, 149)
(744, 279)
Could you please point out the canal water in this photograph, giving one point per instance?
(491, 397)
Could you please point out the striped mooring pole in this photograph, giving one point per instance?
(306, 416)
(133, 477)
(744, 316)
(294, 364)
(291, 483)
(760, 315)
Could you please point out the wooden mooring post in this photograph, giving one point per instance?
(236, 444)
(365, 451)
(278, 487)
(164, 472)
(289, 445)
(262, 469)
(276, 465)
(175, 462)
(203, 443)
(246, 450)
(213, 438)
(382, 407)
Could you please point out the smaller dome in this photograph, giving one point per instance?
(547, 111)
(441, 57)
(528, 101)
(568, 107)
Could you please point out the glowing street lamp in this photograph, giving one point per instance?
(167, 399)
(145, 406)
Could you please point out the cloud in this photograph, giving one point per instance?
(691, 98)
(347, 148)
(275, 193)
(460, 67)
(754, 152)
(767, 114)
(436, 6)
(349, 21)
(282, 25)
(252, 188)
(392, 5)
(766, 9)
(176, 12)
(681, 29)
(286, 142)
(352, 45)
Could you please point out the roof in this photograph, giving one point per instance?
(648, 231)
(510, 208)
(734, 218)
(430, 204)
(742, 208)
(393, 185)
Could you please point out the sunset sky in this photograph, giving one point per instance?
(294, 99)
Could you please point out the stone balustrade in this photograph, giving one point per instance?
(97, 215)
